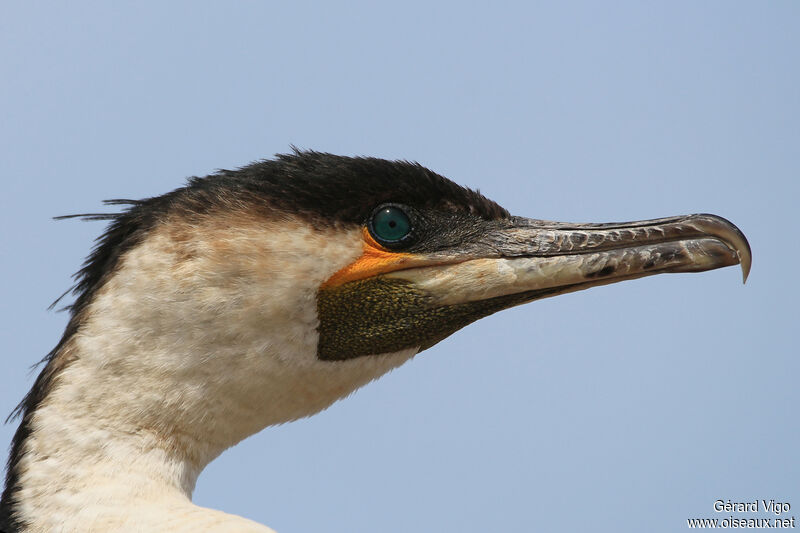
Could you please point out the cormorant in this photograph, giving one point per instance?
(261, 295)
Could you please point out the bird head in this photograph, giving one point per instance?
(258, 296)
(261, 295)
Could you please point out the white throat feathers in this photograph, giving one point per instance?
(204, 335)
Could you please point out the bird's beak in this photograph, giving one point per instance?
(537, 259)
(386, 302)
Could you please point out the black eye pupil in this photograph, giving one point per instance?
(390, 224)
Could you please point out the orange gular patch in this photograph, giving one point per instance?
(375, 260)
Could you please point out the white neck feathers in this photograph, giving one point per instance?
(204, 334)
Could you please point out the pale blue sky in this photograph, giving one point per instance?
(623, 408)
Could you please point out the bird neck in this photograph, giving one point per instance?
(90, 466)
(184, 351)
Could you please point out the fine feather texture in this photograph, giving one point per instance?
(326, 190)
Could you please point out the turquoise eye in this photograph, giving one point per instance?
(390, 224)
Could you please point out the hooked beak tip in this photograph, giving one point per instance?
(745, 263)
